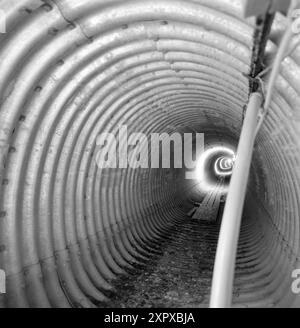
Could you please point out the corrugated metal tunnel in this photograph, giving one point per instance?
(70, 70)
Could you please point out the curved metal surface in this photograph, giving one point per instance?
(70, 70)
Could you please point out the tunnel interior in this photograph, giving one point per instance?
(70, 232)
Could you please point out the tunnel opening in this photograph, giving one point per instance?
(73, 70)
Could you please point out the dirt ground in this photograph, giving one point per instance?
(179, 277)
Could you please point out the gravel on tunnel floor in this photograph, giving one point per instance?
(179, 277)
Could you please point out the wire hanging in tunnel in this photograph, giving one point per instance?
(70, 71)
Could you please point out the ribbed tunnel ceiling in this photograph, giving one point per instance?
(70, 70)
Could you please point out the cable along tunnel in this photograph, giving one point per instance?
(76, 235)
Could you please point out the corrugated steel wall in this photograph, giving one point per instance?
(71, 69)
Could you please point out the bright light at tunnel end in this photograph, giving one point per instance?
(221, 159)
(106, 177)
(124, 150)
(224, 165)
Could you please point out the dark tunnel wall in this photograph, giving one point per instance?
(70, 70)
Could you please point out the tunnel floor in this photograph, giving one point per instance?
(179, 277)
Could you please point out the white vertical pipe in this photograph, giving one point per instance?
(222, 286)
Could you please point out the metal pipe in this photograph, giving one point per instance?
(66, 229)
(280, 56)
(223, 275)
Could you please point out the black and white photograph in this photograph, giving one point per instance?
(149, 157)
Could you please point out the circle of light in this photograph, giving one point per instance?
(223, 166)
(200, 173)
